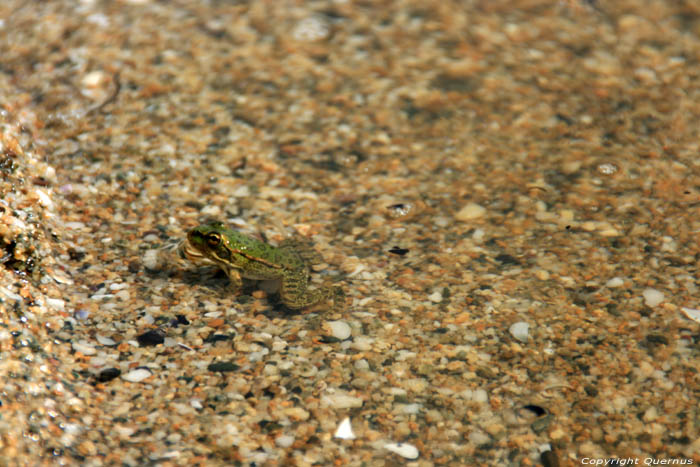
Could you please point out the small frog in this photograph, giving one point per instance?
(240, 256)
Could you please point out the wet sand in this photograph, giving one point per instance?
(507, 192)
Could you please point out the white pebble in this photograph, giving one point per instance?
(411, 409)
(339, 329)
(56, 303)
(313, 28)
(197, 404)
(480, 395)
(151, 260)
(284, 441)
(105, 340)
(479, 437)
(692, 314)
(93, 79)
(341, 401)
(362, 343)
(615, 282)
(84, 348)
(123, 295)
(344, 430)
(44, 199)
(435, 297)
(520, 331)
(652, 297)
(361, 364)
(405, 450)
(137, 375)
(469, 212)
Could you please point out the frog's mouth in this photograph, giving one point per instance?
(191, 253)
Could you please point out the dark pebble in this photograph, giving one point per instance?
(223, 367)
(108, 374)
(211, 338)
(153, 337)
(506, 259)
(398, 251)
(549, 459)
(536, 409)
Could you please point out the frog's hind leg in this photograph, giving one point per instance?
(302, 249)
(295, 294)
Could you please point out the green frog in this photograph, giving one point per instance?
(240, 257)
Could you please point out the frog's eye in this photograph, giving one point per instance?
(213, 239)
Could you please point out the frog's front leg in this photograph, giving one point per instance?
(234, 276)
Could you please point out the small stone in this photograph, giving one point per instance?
(615, 282)
(479, 437)
(542, 274)
(339, 329)
(494, 429)
(652, 297)
(297, 413)
(520, 331)
(56, 303)
(341, 401)
(223, 367)
(284, 441)
(216, 323)
(344, 430)
(405, 450)
(151, 259)
(362, 343)
(692, 313)
(108, 374)
(650, 414)
(480, 396)
(435, 297)
(469, 212)
(103, 340)
(196, 404)
(137, 375)
(150, 338)
(84, 348)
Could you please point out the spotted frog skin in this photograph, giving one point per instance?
(240, 257)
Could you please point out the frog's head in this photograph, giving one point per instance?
(208, 243)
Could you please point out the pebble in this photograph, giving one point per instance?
(344, 430)
(297, 413)
(520, 331)
(692, 313)
(480, 395)
(84, 348)
(479, 437)
(362, 343)
(469, 212)
(137, 375)
(105, 340)
(284, 441)
(435, 297)
(108, 374)
(652, 297)
(150, 338)
(55, 303)
(151, 260)
(615, 282)
(341, 401)
(339, 329)
(405, 450)
(223, 366)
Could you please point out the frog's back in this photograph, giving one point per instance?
(263, 260)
